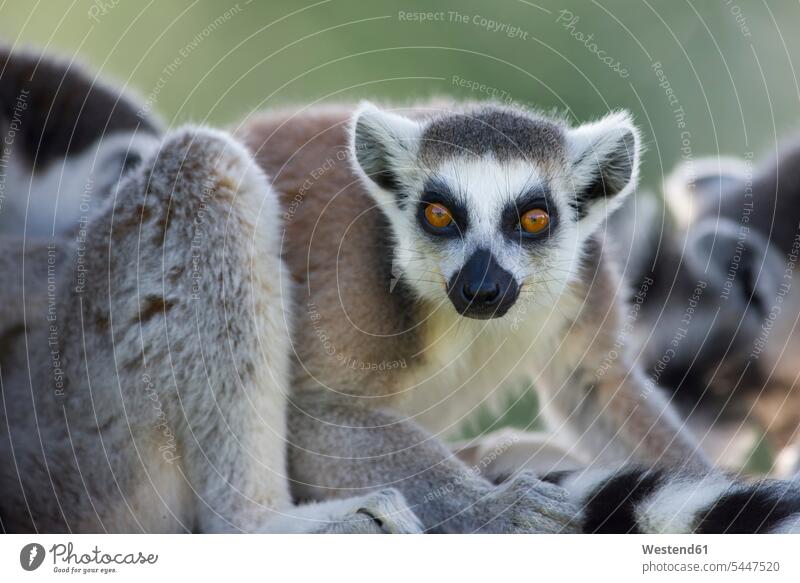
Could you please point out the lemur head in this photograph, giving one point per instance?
(490, 203)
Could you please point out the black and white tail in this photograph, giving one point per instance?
(67, 139)
(638, 500)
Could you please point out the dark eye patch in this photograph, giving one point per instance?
(535, 198)
(437, 192)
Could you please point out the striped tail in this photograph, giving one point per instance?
(638, 500)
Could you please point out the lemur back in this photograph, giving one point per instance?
(330, 220)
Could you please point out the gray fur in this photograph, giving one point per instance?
(151, 397)
(731, 228)
(504, 133)
(341, 448)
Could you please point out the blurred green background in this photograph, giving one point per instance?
(729, 64)
(702, 78)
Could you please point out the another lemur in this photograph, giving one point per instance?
(67, 140)
(722, 279)
(445, 255)
(145, 390)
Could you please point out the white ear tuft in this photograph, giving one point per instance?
(605, 162)
(384, 146)
(694, 188)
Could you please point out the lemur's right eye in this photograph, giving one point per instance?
(438, 215)
(534, 221)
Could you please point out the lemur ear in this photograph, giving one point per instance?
(384, 145)
(605, 161)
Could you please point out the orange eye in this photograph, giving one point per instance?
(534, 221)
(438, 215)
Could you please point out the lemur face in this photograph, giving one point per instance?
(491, 204)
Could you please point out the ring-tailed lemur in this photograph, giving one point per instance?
(145, 362)
(443, 255)
(409, 234)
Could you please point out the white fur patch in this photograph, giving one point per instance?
(673, 507)
(790, 525)
(581, 485)
(590, 146)
(53, 199)
(679, 191)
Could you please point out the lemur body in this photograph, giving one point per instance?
(143, 384)
(355, 194)
(732, 228)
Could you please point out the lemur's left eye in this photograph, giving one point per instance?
(534, 221)
(438, 215)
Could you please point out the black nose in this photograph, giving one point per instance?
(481, 292)
(482, 288)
